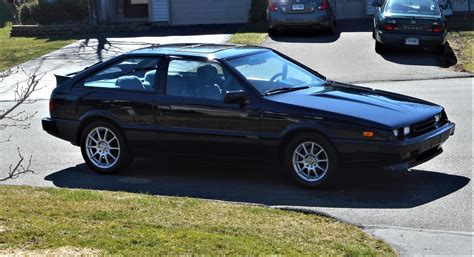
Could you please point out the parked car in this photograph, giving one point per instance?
(314, 14)
(230, 101)
(408, 23)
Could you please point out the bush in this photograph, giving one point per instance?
(258, 10)
(59, 11)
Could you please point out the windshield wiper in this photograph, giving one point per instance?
(284, 90)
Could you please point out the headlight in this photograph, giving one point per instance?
(406, 131)
(395, 132)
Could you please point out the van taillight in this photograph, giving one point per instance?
(324, 5)
(51, 105)
(272, 7)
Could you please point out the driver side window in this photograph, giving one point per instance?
(198, 79)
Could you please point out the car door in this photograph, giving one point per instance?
(122, 92)
(192, 115)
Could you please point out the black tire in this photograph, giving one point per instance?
(123, 159)
(379, 47)
(272, 32)
(330, 30)
(331, 154)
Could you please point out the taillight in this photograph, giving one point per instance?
(390, 27)
(435, 29)
(51, 105)
(272, 7)
(324, 5)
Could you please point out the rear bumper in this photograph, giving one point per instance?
(61, 128)
(399, 38)
(397, 155)
(299, 20)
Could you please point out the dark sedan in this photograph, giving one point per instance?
(239, 102)
(409, 23)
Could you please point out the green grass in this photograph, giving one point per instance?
(17, 50)
(462, 43)
(250, 34)
(36, 221)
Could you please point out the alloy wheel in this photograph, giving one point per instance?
(310, 161)
(102, 147)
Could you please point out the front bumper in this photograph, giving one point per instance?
(398, 38)
(396, 155)
(61, 128)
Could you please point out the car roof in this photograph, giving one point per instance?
(210, 51)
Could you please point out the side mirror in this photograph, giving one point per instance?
(236, 97)
(376, 3)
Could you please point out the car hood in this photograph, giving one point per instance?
(341, 102)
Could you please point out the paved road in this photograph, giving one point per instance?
(349, 56)
(434, 196)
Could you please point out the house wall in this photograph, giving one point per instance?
(159, 10)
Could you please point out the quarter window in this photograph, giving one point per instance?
(130, 74)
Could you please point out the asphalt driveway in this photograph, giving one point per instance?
(349, 56)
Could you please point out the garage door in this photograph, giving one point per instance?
(184, 12)
(350, 9)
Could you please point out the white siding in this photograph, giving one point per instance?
(159, 10)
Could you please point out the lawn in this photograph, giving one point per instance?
(462, 43)
(250, 34)
(46, 220)
(17, 50)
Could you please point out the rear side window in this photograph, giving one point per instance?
(138, 74)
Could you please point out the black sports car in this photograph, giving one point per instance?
(239, 102)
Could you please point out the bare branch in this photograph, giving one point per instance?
(20, 168)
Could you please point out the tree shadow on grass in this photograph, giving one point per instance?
(265, 184)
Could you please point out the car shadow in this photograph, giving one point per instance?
(265, 184)
(319, 36)
(422, 57)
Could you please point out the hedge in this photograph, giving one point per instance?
(52, 12)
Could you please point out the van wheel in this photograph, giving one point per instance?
(103, 148)
(311, 160)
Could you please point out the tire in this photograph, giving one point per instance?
(320, 155)
(330, 30)
(379, 47)
(272, 32)
(96, 151)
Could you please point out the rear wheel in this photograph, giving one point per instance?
(272, 32)
(103, 148)
(311, 160)
(379, 47)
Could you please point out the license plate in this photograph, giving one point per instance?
(298, 7)
(412, 41)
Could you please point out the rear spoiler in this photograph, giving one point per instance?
(63, 78)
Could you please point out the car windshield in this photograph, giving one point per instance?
(423, 7)
(269, 73)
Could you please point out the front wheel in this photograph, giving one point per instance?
(103, 148)
(311, 160)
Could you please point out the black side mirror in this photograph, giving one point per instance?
(236, 97)
(376, 3)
